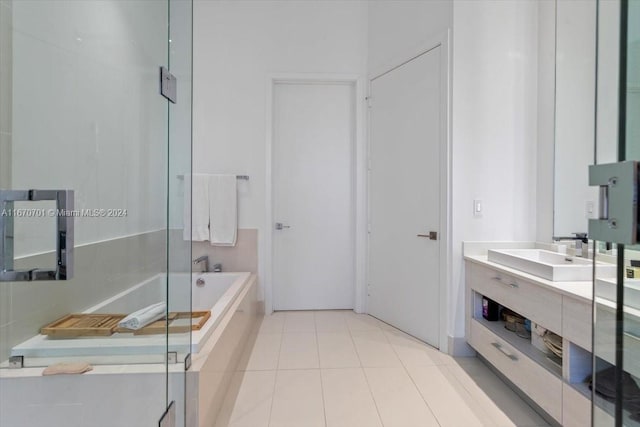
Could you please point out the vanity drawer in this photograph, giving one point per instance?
(576, 408)
(576, 318)
(536, 303)
(539, 384)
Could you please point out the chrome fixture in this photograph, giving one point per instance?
(617, 220)
(217, 268)
(200, 282)
(281, 226)
(64, 214)
(168, 85)
(582, 243)
(205, 259)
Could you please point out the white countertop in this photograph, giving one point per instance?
(582, 290)
(476, 252)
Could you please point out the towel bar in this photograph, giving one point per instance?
(243, 177)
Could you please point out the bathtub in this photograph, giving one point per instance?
(217, 294)
(218, 348)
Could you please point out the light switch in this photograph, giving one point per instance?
(589, 207)
(477, 207)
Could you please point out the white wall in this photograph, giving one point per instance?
(494, 128)
(399, 27)
(237, 45)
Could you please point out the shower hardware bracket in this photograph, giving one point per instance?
(187, 362)
(64, 215)
(172, 357)
(617, 220)
(16, 362)
(168, 85)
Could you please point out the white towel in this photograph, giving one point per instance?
(145, 316)
(223, 210)
(196, 208)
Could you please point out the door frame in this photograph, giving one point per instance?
(358, 181)
(442, 40)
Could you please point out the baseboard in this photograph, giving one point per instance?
(458, 347)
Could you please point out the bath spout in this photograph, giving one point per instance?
(205, 260)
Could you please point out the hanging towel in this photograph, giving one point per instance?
(143, 317)
(223, 210)
(196, 208)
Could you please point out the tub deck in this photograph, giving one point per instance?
(129, 348)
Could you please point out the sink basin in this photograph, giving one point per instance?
(550, 265)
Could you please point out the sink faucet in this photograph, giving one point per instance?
(205, 259)
(580, 239)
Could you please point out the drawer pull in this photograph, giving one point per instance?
(499, 279)
(498, 346)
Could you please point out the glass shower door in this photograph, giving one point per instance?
(81, 115)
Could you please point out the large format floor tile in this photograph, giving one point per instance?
(264, 354)
(297, 400)
(299, 321)
(252, 404)
(347, 399)
(331, 321)
(446, 402)
(299, 350)
(337, 350)
(341, 369)
(374, 349)
(397, 398)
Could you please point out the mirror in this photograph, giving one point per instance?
(584, 135)
(575, 73)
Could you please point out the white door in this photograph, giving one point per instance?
(404, 194)
(312, 193)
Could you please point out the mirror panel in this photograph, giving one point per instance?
(574, 201)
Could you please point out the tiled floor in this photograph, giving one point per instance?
(341, 369)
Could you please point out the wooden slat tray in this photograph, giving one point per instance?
(160, 326)
(104, 325)
(83, 325)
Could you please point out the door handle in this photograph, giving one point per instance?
(433, 235)
(280, 226)
(64, 213)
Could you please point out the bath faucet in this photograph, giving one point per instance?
(581, 240)
(205, 259)
(217, 268)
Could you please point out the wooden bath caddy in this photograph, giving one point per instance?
(83, 325)
(103, 325)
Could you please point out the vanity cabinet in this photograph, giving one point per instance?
(558, 386)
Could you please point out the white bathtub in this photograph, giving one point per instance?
(217, 295)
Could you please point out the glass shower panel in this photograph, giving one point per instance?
(178, 249)
(86, 116)
(616, 336)
(81, 110)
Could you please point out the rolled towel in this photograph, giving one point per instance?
(145, 316)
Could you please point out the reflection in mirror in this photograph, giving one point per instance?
(607, 83)
(632, 146)
(574, 201)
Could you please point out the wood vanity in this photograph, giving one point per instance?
(559, 387)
